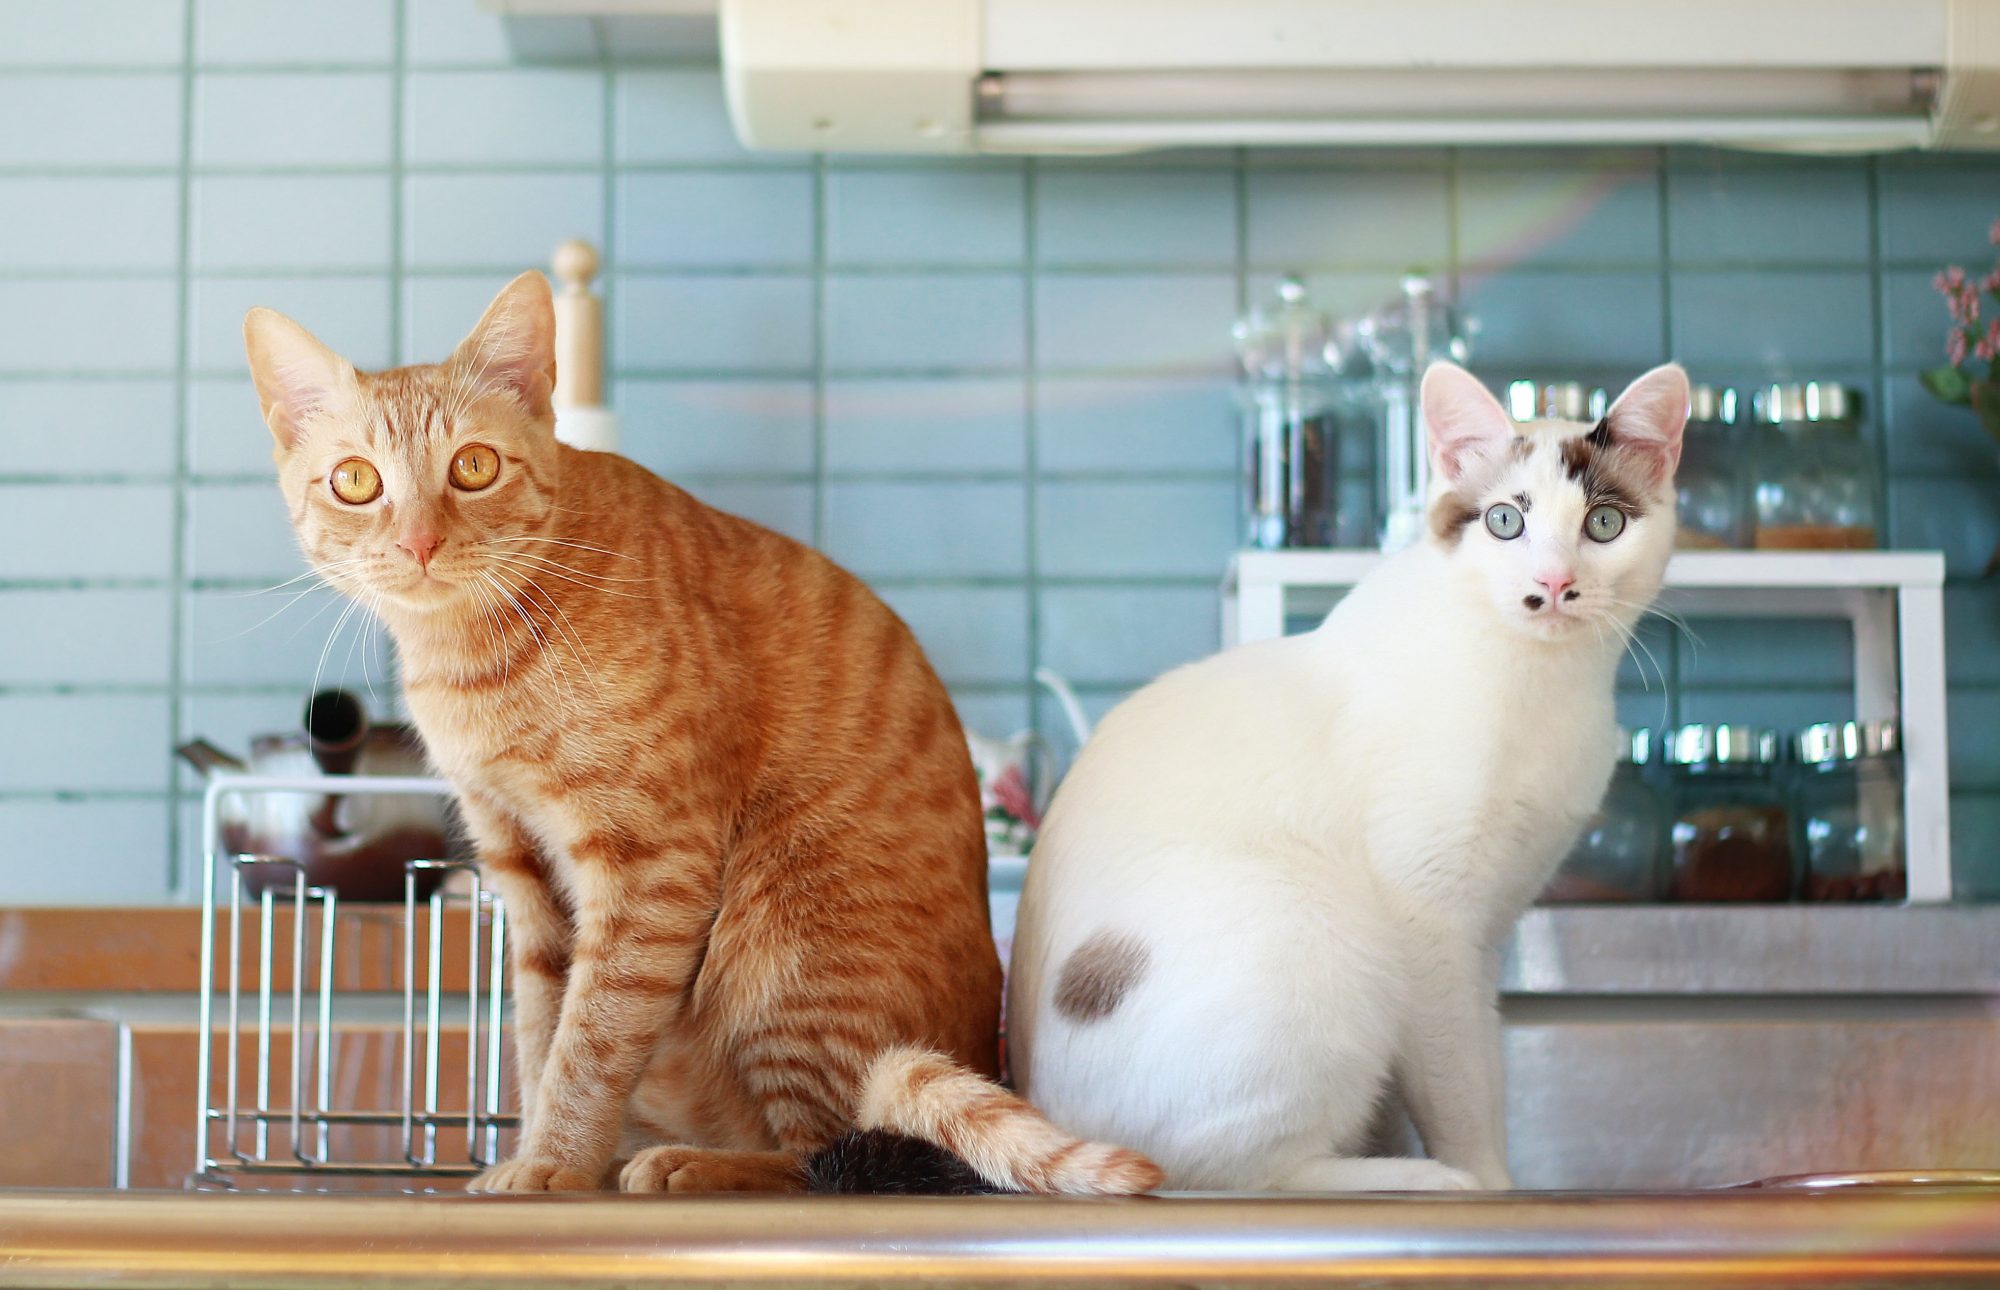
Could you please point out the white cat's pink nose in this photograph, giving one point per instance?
(421, 544)
(1556, 583)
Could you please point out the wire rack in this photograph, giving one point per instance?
(270, 1114)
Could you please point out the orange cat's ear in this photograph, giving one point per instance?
(513, 348)
(297, 378)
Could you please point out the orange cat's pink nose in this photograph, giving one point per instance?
(421, 544)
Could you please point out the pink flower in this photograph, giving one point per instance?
(1993, 235)
(1989, 344)
(1991, 282)
(1954, 347)
(1949, 281)
(1964, 305)
(1010, 793)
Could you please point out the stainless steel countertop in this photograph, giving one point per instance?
(1755, 950)
(153, 1241)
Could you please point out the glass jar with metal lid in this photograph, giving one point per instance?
(1816, 481)
(1848, 797)
(1731, 837)
(1291, 447)
(1619, 857)
(1714, 498)
(1555, 401)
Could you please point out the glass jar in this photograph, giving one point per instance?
(1555, 401)
(1714, 505)
(1290, 435)
(1731, 834)
(1848, 798)
(1398, 341)
(1619, 855)
(1816, 481)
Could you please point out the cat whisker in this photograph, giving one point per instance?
(488, 610)
(562, 621)
(318, 572)
(554, 563)
(275, 613)
(532, 567)
(580, 546)
(319, 669)
(565, 688)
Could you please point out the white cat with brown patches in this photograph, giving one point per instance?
(1275, 884)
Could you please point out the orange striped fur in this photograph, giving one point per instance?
(726, 799)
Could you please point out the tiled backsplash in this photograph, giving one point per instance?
(999, 389)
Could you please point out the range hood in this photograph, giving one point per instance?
(1051, 76)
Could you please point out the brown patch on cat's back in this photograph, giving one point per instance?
(1099, 974)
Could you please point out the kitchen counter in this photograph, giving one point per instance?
(160, 1241)
(1557, 950)
(1647, 1047)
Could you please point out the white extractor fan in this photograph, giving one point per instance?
(1011, 76)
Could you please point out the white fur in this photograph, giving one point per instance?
(1323, 840)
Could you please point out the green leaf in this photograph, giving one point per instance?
(1985, 399)
(1947, 385)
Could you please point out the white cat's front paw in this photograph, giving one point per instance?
(1377, 1173)
(1426, 1175)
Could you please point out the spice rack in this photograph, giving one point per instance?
(1893, 602)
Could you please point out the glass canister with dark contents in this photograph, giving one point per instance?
(1848, 796)
(1618, 857)
(1731, 836)
(1291, 428)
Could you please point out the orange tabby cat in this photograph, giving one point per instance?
(725, 798)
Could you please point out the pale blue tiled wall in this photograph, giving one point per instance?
(998, 389)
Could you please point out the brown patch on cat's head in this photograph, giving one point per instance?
(1099, 974)
(1609, 473)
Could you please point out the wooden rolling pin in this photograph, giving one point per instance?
(582, 420)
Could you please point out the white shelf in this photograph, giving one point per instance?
(1876, 570)
(1893, 602)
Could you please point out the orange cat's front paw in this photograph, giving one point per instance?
(533, 1174)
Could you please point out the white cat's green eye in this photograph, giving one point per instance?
(1604, 523)
(355, 482)
(1503, 520)
(474, 467)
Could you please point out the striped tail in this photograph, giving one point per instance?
(1007, 1142)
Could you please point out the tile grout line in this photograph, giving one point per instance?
(179, 874)
(819, 355)
(398, 221)
(1671, 681)
(1030, 424)
(608, 260)
(1453, 252)
(1878, 382)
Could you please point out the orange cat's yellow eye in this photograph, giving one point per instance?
(355, 482)
(475, 467)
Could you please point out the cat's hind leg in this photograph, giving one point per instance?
(1373, 1173)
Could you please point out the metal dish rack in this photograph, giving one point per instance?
(270, 1133)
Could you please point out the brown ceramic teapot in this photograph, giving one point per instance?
(356, 844)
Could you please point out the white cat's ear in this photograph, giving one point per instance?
(1464, 419)
(1649, 417)
(297, 378)
(513, 349)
